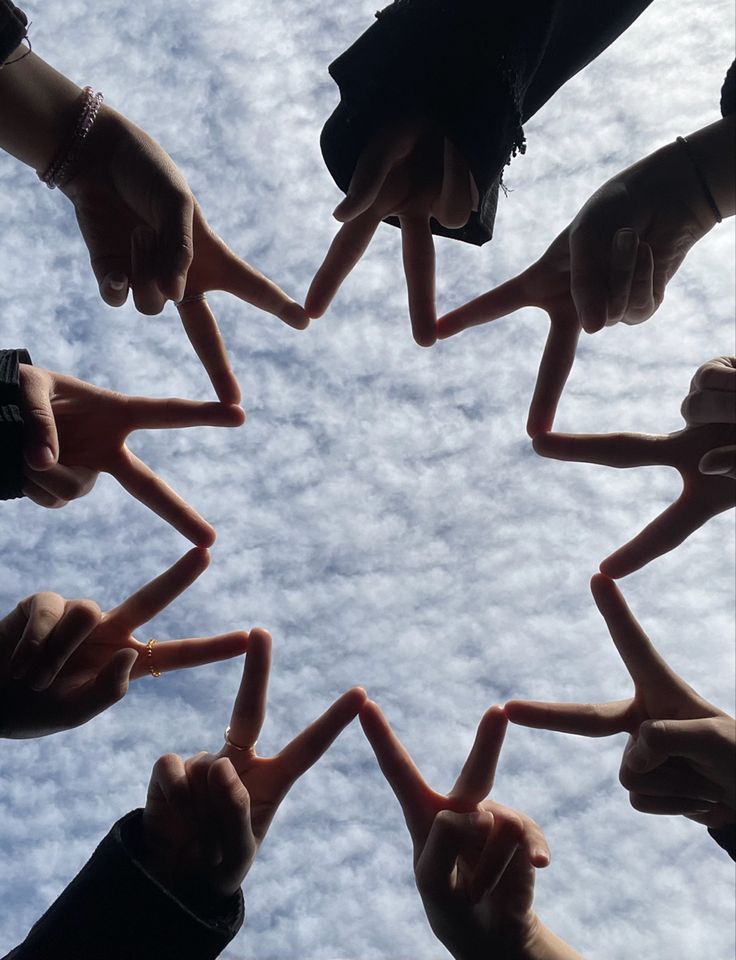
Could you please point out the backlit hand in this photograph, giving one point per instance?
(206, 817)
(145, 231)
(411, 171)
(702, 496)
(63, 661)
(75, 430)
(681, 753)
(474, 859)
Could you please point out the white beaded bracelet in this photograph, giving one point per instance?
(57, 172)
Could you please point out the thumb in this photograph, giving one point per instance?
(41, 441)
(109, 686)
(720, 462)
(658, 740)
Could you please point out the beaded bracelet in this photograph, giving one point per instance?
(57, 173)
(703, 183)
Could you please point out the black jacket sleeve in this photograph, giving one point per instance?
(476, 68)
(114, 909)
(725, 837)
(13, 26)
(11, 423)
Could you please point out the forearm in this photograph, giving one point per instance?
(38, 107)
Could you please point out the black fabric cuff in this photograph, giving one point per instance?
(115, 909)
(11, 424)
(13, 26)
(462, 65)
(725, 837)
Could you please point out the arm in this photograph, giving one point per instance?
(116, 908)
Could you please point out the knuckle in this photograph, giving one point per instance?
(87, 613)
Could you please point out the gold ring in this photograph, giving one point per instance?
(191, 298)
(235, 746)
(149, 655)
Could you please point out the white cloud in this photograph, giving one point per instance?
(381, 511)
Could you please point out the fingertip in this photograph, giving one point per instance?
(611, 569)
(205, 537)
(425, 339)
(540, 858)
(295, 316)
(601, 584)
(314, 307)
(114, 289)
(42, 457)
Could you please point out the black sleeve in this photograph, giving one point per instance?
(13, 26)
(476, 68)
(11, 423)
(725, 837)
(114, 909)
(728, 92)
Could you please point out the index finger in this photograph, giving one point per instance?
(417, 247)
(606, 449)
(396, 765)
(499, 302)
(192, 652)
(249, 709)
(305, 749)
(204, 335)
(146, 603)
(347, 247)
(554, 369)
(476, 777)
(143, 484)
(580, 719)
(151, 413)
(245, 282)
(646, 667)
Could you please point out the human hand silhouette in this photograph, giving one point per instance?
(207, 816)
(74, 430)
(612, 263)
(64, 661)
(712, 399)
(411, 171)
(474, 859)
(144, 230)
(680, 755)
(702, 497)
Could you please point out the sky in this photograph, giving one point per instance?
(381, 512)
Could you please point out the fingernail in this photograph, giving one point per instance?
(625, 240)
(117, 281)
(636, 759)
(46, 456)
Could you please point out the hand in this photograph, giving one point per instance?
(144, 229)
(712, 399)
(681, 750)
(474, 859)
(74, 430)
(702, 496)
(413, 172)
(206, 818)
(611, 264)
(63, 661)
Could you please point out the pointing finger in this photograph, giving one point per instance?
(499, 302)
(610, 450)
(155, 596)
(197, 652)
(581, 719)
(557, 362)
(149, 413)
(249, 709)
(476, 778)
(419, 267)
(204, 335)
(346, 249)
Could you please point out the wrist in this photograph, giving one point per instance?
(38, 106)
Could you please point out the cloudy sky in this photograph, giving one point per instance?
(381, 512)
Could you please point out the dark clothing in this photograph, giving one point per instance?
(13, 26)
(115, 910)
(725, 837)
(477, 69)
(11, 424)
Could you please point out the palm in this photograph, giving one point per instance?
(702, 497)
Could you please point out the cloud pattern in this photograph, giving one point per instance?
(381, 512)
